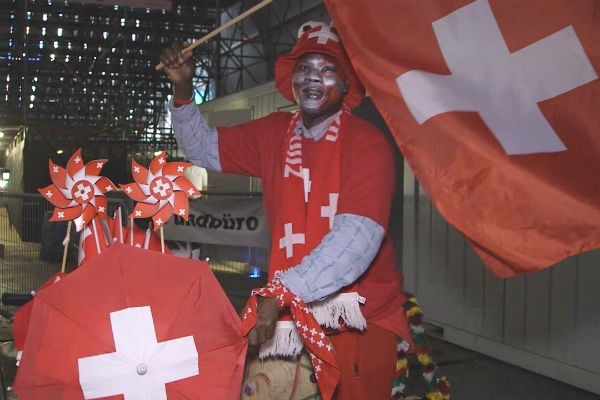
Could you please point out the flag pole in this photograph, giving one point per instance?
(66, 247)
(220, 29)
(162, 240)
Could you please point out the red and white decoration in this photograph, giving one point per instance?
(77, 192)
(318, 345)
(160, 190)
(495, 108)
(140, 367)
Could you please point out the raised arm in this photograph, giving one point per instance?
(194, 137)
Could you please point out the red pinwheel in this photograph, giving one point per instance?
(78, 191)
(160, 191)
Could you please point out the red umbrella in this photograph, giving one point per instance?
(133, 323)
(20, 324)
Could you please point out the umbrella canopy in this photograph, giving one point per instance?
(20, 323)
(133, 324)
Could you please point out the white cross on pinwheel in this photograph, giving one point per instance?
(504, 88)
(289, 239)
(330, 210)
(324, 34)
(141, 367)
(83, 192)
(161, 188)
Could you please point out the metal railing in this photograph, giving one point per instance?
(31, 247)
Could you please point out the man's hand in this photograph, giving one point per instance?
(179, 67)
(267, 314)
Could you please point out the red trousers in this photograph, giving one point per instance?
(367, 362)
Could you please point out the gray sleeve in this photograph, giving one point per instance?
(195, 138)
(341, 258)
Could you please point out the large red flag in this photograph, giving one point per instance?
(495, 105)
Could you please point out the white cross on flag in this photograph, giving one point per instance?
(494, 104)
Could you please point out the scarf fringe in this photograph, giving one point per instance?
(286, 342)
(344, 306)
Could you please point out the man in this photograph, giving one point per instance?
(328, 180)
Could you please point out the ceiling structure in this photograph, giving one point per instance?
(80, 69)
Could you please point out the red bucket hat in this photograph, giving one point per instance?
(317, 37)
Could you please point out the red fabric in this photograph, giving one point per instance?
(522, 212)
(20, 323)
(367, 186)
(301, 206)
(318, 345)
(71, 320)
(367, 363)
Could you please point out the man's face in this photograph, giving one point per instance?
(319, 85)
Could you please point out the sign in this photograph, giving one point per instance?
(235, 222)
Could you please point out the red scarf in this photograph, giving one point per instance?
(319, 347)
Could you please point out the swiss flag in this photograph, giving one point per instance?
(494, 104)
(92, 241)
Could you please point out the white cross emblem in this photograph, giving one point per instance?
(60, 214)
(182, 211)
(99, 165)
(504, 88)
(138, 213)
(289, 239)
(330, 210)
(55, 169)
(83, 192)
(323, 35)
(161, 188)
(159, 221)
(128, 189)
(180, 168)
(161, 160)
(77, 160)
(101, 209)
(191, 191)
(141, 366)
(49, 194)
(108, 188)
(136, 169)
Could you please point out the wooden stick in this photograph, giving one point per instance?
(66, 247)
(220, 29)
(162, 240)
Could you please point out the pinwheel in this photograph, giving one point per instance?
(160, 191)
(77, 192)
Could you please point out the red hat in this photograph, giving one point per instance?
(317, 37)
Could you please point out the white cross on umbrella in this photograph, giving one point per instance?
(140, 367)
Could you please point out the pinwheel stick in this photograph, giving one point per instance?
(220, 29)
(162, 240)
(66, 247)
